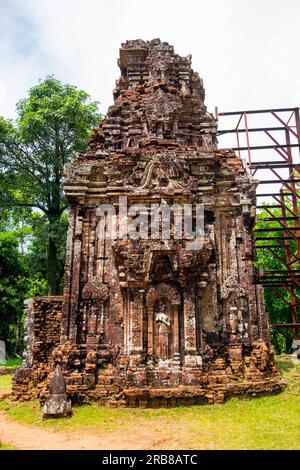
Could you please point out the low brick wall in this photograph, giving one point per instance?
(42, 327)
(6, 370)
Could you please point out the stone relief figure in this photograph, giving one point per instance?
(233, 320)
(92, 320)
(238, 328)
(163, 341)
(158, 177)
(95, 295)
(207, 140)
(163, 329)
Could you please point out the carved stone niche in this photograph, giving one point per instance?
(163, 304)
(95, 295)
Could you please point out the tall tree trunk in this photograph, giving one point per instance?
(52, 268)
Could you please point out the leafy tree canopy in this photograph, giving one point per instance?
(53, 124)
(272, 259)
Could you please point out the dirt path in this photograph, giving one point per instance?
(29, 437)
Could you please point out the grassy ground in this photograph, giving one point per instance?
(260, 423)
(4, 446)
(5, 382)
(11, 362)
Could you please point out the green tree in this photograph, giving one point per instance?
(53, 124)
(13, 287)
(36, 247)
(270, 260)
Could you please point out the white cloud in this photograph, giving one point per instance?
(244, 50)
(20, 62)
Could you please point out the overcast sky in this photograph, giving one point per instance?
(247, 51)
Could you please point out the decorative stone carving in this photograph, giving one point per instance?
(57, 404)
(29, 333)
(95, 290)
(163, 171)
(163, 291)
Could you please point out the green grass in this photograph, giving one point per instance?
(5, 382)
(4, 446)
(13, 362)
(259, 423)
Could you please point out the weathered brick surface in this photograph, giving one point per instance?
(153, 322)
(43, 329)
(8, 370)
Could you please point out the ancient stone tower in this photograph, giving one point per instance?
(154, 321)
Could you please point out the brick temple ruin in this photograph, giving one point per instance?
(153, 322)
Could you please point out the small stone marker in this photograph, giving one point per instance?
(57, 405)
(2, 351)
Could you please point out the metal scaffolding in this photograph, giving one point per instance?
(268, 142)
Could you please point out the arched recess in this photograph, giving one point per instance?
(163, 303)
(161, 267)
(163, 290)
